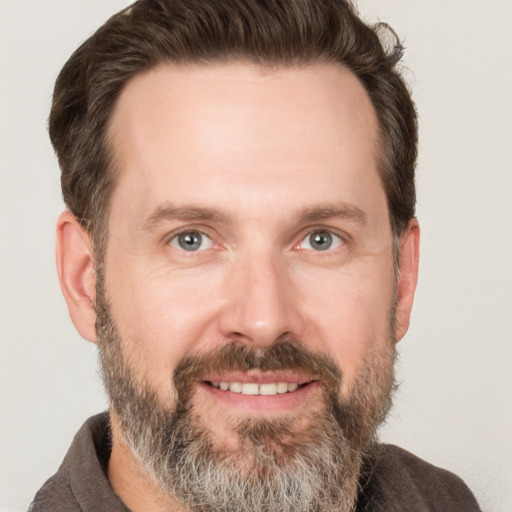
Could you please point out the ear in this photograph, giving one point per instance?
(407, 277)
(75, 266)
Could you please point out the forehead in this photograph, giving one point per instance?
(242, 125)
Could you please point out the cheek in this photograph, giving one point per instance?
(349, 315)
(160, 318)
(163, 315)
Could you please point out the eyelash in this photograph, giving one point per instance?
(189, 231)
(338, 239)
(335, 238)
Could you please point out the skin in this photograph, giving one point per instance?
(256, 159)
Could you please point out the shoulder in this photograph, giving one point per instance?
(400, 481)
(81, 483)
(55, 496)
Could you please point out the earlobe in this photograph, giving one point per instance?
(408, 277)
(75, 267)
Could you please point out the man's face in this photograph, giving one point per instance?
(249, 215)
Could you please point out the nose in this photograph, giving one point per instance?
(260, 305)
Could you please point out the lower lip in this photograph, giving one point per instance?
(261, 404)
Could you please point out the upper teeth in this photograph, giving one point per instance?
(252, 388)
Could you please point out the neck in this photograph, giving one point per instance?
(131, 482)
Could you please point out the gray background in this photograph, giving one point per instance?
(454, 407)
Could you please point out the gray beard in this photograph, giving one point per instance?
(275, 467)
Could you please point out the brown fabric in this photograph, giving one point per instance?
(81, 483)
(397, 481)
(401, 482)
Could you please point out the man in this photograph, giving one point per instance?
(241, 244)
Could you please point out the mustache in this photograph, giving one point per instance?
(284, 355)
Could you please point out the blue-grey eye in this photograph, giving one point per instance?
(321, 240)
(191, 241)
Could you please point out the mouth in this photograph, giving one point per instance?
(260, 394)
(253, 388)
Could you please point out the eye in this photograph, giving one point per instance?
(191, 241)
(321, 240)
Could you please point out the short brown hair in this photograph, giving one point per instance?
(267, 32)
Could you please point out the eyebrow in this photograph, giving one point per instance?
(343, 211)
(167, 212)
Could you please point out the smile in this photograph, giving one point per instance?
(253, 388)
(257, 393)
